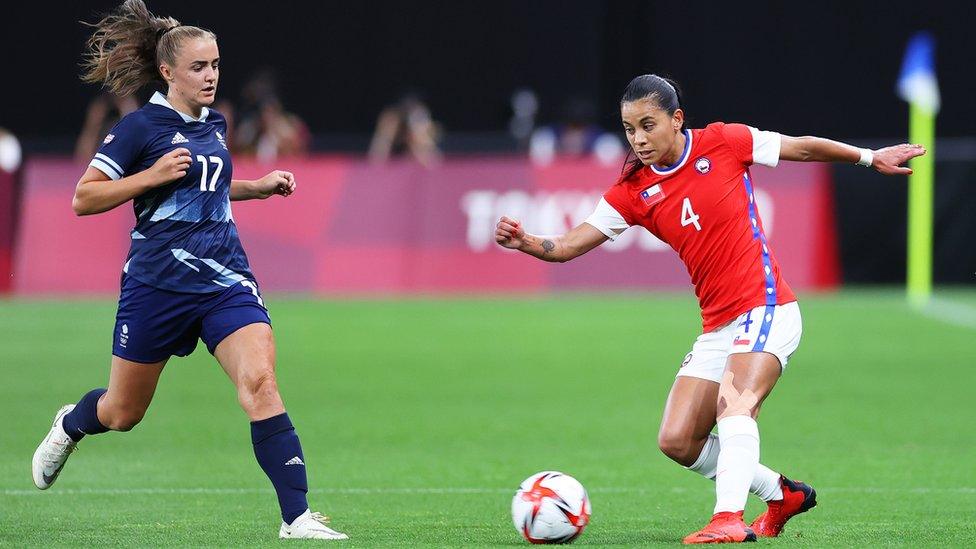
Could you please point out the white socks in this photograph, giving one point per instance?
(765, 483)
(738, 438)
(735, 454)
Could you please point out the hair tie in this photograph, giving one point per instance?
(161, 32)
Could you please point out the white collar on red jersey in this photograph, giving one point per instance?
(160, 99)
(681, 161)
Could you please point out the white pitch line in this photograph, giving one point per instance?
(435, 491)
(958, 314)
(221, 491)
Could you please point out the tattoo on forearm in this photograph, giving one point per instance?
(548, 246)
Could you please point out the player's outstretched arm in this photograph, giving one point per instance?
(97, 192)
(276, 182)
(581, 239)
(887, 161)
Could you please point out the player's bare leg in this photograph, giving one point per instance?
(248, 358)
(131, 387)
(685, 435)
(119, 408)
(748, 379)
(689, 416)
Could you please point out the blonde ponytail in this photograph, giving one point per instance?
(128, 45)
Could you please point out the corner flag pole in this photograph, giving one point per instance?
(921, 192)
(917, 85)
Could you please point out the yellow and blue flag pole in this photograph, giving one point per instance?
(917, 85)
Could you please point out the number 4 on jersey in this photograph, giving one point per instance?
(688, 216)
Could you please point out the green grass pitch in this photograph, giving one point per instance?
(420, 417)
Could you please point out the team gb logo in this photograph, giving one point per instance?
(703, 165)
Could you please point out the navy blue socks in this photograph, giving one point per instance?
(276, 446)
(83, 420)
(280, 455)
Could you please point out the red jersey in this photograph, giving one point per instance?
(704, 208)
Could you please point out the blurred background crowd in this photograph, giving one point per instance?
(435, 78)
(426, 82)
(260, 126)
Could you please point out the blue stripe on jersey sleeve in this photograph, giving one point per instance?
(105, 168)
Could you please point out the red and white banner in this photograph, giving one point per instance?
(353, 227)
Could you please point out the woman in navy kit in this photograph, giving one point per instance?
(186, 275)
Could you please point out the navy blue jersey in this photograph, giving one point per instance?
(184, 239)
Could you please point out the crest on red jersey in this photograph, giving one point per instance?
(703, 165)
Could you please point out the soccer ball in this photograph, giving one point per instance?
(550, 507)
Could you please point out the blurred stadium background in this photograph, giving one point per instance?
(433, 371)
(829, 71)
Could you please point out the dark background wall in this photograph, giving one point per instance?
(872, 224)
(800, 67)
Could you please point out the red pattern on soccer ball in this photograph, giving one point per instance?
(536, 494)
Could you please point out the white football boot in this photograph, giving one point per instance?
(309, 525)
(53, 452)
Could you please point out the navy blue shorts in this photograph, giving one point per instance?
(153, 324)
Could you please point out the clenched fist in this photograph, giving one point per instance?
(276, 182)
(171, 166)
(509, 233)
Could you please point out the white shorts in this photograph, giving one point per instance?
(772, 329)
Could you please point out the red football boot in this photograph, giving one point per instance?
(797, 498)
(726, 527)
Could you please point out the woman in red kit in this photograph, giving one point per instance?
(692, 189)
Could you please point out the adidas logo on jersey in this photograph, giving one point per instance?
(295, 461)
(178, 138)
